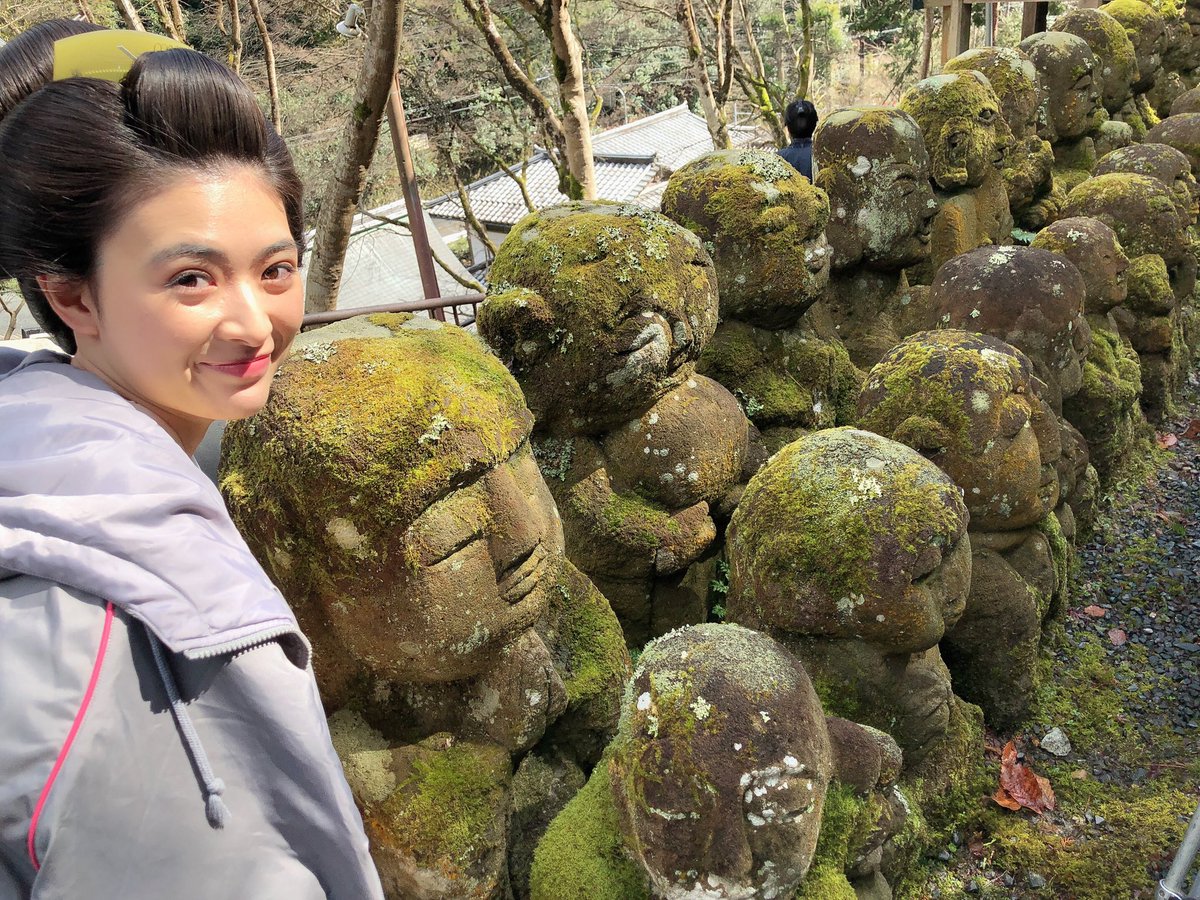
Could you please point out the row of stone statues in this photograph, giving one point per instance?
(852, 418)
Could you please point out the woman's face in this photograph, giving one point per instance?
(199, 296)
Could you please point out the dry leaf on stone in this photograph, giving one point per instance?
(1117, 637)
(1192, 431)
(1166, 441)
(1096, 612)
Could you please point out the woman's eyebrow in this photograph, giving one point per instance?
(199, 251)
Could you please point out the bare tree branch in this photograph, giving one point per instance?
(130, 14)
(269, 53)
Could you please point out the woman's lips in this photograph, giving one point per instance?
(246, 368)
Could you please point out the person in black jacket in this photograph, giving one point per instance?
(801, 119)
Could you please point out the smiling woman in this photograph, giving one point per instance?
(152, 219)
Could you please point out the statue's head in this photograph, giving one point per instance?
(599, 310)
(389, 488)
(1118, 71)
(1031, 299)
(1163, 162)
(765, 225)
(720, 765)
(1014, 79)
(1147, 31)
(1092, 247)
(873, 164)
(970, 404)
(1067, 69)
(959, 115)
(848, 535)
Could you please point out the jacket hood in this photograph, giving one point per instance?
(95, 495)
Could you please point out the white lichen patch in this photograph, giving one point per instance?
(981, 401)
(860, 167)
(701, 708)
(344, 534)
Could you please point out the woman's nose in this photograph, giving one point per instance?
(246, 317)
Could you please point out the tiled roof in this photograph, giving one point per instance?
(628, 159)
(675, 136)
(497, 199)
(381, 263)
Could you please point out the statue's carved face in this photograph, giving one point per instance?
(1067, 68)
(1147, 31)
(599, 310)
(1014, 79)
(1116, 61)
(472, 572)
(721, 765)
(960, 118)
(968, 403)
(1163, 162)
(873, 164)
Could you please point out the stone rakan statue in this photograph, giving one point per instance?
(1106, 409)
(1147, 32)
(766, 226)
(718, 781)
(1029, 167)
(1141, 211)
(1115, 75)
(968, 141)
(1034, 301)
(873, 164)
(969, 403)
(601, 311)
(1067, 68)
(390, 490)
(851, 550)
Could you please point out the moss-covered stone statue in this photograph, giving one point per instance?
(1106, 409)
(726, 780)
(601, 312)
(1187, 102)
(873, 164)
(1029, 167)
(1174, 170)
(1147, 31)
(968, 141)
(1182, 132)
(390, 490)
(1115, 75)
(1033, 300)
(851, 550)
(1141, 211)
(766, 226)
(1179, 57)
(1067, 69)
(969, 404)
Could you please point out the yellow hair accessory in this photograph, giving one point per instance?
(105, 54)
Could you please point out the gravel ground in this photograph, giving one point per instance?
(1142, 567)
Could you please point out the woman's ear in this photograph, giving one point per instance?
(73, 301)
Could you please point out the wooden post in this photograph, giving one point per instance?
(1033, 18)
(956, 29)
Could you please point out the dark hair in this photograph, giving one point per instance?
(27, 61)
(80, 153)
(800, 118)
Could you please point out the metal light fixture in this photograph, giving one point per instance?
(351, 24)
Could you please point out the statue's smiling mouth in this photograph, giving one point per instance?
(522, 575)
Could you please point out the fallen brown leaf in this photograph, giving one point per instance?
(1117, 637)
(1166, 441)
(1192, 431)
(1022, 784)
(1004, 799)
(1080, 775)
(1096, 612)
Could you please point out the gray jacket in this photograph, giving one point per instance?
(160, 729)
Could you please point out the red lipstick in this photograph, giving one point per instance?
(246, 368)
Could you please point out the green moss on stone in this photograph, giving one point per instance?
(582, 855)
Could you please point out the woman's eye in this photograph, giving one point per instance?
(280, 272)
(191, 280)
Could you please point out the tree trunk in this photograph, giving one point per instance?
(927, 43)
(177, 20)
(806, 53)
(130, 14)
(568, 70)
(714, 111)
(164, 16)
(269, 52)
(349, 177)
(86, 11)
